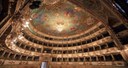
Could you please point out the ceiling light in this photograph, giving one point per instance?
(59, 28)
(26, 24)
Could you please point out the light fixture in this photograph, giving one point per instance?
(26, 24)
(59, 28)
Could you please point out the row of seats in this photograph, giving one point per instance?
(50, 50)
(83, 50)
(105, 34)
(27, 47)
(110, 57)
(11, 55)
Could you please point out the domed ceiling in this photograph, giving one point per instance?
(61, 20)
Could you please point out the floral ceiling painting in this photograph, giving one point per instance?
(63, 20)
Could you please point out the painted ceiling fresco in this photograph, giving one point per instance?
(63, 20)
